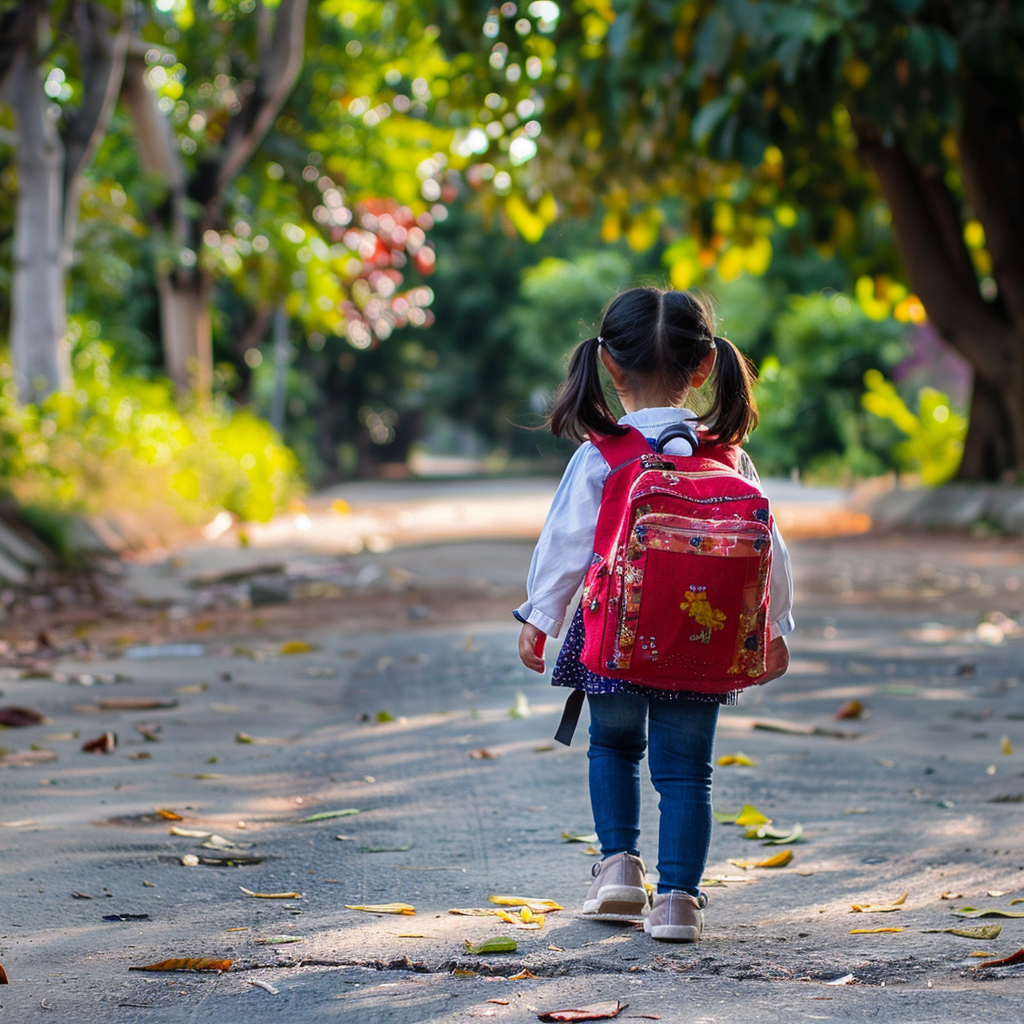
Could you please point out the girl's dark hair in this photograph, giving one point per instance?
(657, 335)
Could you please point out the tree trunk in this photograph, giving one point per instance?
(185, 325)
(988, 449)
(39, 348)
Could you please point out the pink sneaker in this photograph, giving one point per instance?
(676, 917)
(617, 892)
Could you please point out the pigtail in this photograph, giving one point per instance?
(580, 407)
(733, 413)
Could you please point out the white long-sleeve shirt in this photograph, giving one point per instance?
(566, 546)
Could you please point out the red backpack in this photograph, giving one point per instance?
(677, 595)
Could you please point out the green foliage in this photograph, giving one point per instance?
(810, 386)
(934, 434)
(119, 442)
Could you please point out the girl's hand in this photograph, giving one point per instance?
(776, 660)
(531, 647)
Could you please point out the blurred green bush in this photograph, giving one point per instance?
(118, 442)
(934, 434)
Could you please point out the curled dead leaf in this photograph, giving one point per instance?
(483, 754)
(781, 859)
(4, 980)
(595, 1011)
(271, 895)
(1013, 958)
(202, 963)
(383, 908)
(879, 908)
(101, 744)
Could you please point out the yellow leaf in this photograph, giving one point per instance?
(537, 905)
(167, 815)
(751, 816)
(272, 895)
(779, 860)
(1005, 746)
(383, 908)
(738, 758)
(503, 914)
(873, 931)
(879, 908)
(296, 647)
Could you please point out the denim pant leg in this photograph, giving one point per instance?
(682, 737)
(618, 739)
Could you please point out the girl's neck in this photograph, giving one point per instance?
(650, 400)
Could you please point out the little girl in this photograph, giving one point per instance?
(656, 347)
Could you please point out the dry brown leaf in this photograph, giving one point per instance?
(523, 975)
(3, 976)
(271, 895)
(26, 758)
(851, 709)
(101, 744)
(202, 963)
(879, 908)
(135, 704)
(595, 1011)
(1013, 958)
(950, 895)
(498, 1002)
(14, 717)
(483, 754)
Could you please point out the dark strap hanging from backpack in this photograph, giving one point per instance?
(570, 716)
(681, 429)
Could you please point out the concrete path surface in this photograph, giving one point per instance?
(438, 738)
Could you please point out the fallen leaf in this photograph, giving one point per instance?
(950, 895)
(408, 935)
(738, 758)
(202, 963)
(3, 976)
(595, 1011)
(190, 860)
(556, 949)
(521, 708)
(483, 754)
(1013, 958)
(385, 716)
(751, 816)
(140, 755)
(265, 985)
(723, 880)
(208, 775)
(383, 908)
(779, 860)
(523, 975)
(385, 849)
(873, 931)
(981, 952)
(498, 944)
(135, 704)
(192, 688)
(879, 908)
(982, 931)
(100, 744)
(62, 737)
(296, 647)
(277, 940)
(499, 1002)
(149, 731)
(589, 837)
(215, 842)
(1005, 747)
(776, 836)
(271, 895)
(80, 896)
(846, 979)
(326, 815)
(25, 758)
(851, 709)
(996, 893)
(17, 824)
(975, 912)
(1013, 903)
(14, 717)
(726, 817)
(191, 833)
(126, 917)
(538, 905)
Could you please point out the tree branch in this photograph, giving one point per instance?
(950, 296)
(157, 151)
(102, 51)
(278, 71)
(18, 29)
(992, 162)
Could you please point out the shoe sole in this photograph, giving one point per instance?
(617, 903)
(672, 932)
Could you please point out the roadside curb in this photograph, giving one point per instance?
(951, 507)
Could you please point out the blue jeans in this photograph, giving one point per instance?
(682, 735)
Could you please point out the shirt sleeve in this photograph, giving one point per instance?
(780, 589)
(566, 546)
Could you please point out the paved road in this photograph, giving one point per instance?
(920, 798)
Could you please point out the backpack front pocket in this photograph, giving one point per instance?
(693, 598)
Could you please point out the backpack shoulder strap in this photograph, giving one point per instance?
(618, 449)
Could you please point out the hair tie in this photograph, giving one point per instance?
(715, 340)
(600, 341)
